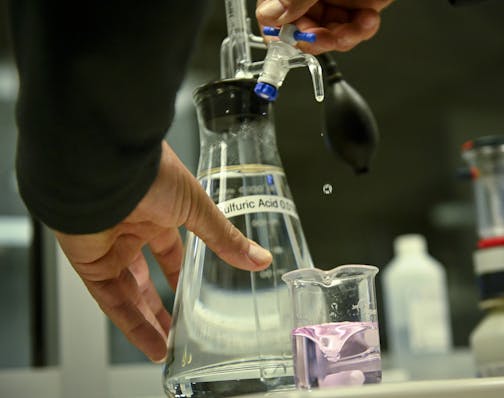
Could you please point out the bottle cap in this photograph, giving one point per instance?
(266, 91)
(410, 243)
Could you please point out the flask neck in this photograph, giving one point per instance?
(236, 126)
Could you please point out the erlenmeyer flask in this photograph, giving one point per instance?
(231, 328)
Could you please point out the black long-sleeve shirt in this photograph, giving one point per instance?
(98, 81)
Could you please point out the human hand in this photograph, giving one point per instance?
(339, 24)
(115, 272)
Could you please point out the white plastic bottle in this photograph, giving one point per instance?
(416, 308)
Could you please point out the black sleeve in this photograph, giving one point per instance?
(98, 81)
(464, 2)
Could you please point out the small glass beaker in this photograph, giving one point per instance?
(335, 339)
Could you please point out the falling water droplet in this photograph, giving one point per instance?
(327, 189)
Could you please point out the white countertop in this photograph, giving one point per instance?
(453, 388)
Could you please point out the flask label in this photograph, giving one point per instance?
(258, 204)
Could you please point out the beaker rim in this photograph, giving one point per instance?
(330, 277)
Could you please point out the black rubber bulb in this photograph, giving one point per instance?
(351, 129)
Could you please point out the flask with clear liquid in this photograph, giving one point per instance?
(230, 333)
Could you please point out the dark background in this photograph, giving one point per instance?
(434, 77)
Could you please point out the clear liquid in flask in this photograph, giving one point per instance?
(232, 330)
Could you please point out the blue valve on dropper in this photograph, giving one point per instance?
(282, 56)
(297, 34)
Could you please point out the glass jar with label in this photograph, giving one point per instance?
(231, 328)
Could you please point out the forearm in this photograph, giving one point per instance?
(97, 92)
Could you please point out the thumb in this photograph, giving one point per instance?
(279, 12)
